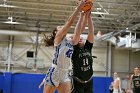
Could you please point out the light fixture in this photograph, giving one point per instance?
(6, 5)
(12, 22)
(99, 13)
(99, 8)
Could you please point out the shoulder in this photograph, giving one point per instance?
(62, 41)
(88, 44)
(69, 39)
(139, 75)
(132, 76)
(118, 79)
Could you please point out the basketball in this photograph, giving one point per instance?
(87, 6)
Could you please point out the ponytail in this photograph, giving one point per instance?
(49, 40)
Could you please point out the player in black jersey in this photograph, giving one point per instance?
(135, 80)
(82, 60)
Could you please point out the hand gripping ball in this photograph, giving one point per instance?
(87, 6)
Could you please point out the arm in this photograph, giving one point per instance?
(90, 36)
(130, 83)
(80, 27)
(84, 22)
(86, 16)
(62, 33)
(119, 81)
(77, 30)
(41, 83)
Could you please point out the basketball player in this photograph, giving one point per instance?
(135, 80)
(82, 59)
(58, 78)
(116, 83)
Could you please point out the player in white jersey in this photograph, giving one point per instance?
(57, 77)
(116, 83)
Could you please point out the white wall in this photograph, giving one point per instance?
(99, 63)
(123, 60)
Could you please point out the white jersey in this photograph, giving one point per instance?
(63, 54)
(58, 73)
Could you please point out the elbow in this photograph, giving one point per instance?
(70, 22)
(75, 41)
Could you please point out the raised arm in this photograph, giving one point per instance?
(62, 33)
(84, 23)
(78, 28)
(90, 36)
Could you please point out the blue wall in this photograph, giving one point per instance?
(1, 81)
(28, 83)
(101, 84)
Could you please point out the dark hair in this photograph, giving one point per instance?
(49, 40)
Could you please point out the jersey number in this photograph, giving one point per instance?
(85, 62)
(69, 53)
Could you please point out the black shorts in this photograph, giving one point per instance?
(82, 87)
(136, 90)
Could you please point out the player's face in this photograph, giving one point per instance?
(115, 75)
(136, 70)
(81, 42)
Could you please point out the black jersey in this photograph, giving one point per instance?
(82, 61)
(136, 81)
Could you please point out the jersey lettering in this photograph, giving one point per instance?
(85, 68)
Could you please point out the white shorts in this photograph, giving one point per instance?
(115, 91)
(57, 76)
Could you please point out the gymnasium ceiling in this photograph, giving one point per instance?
(45, 15)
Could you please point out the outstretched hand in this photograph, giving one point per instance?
(88, 12)
(81, 4)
